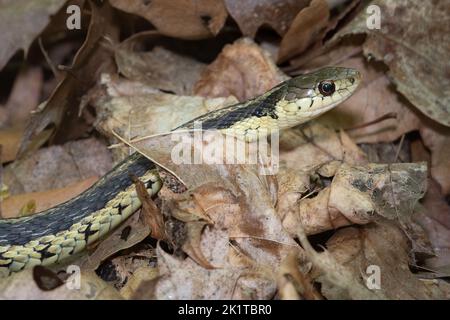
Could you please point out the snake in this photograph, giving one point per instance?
(53, 236)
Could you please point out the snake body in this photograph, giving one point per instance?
(59, 233)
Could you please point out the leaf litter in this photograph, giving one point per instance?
(229, 231)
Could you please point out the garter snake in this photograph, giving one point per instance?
(60, 232)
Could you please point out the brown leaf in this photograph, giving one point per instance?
(437, 139)
(251, 15)
(179, 18)
(57, 166)
(45, 199)
(192, 245)
(131, 232)
(390, 191)
(313, 146)
(137, 286)
(10, 141)
(293, 282)
(383, 246)
(420, 74)
(93, 58)
(305, 28)
(134, 110)
(150, 214)
(357, 195)
(242, 69)
(21, 22)
(158, 68)
(435, 219)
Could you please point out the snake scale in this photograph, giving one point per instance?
(59, 233)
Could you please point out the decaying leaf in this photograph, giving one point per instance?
(251, 15)
(418, 68)
(376, 257)
(179, 18)
(133, 231)
(93, 58)
(158, 68)
(293, 281)
(57, 166)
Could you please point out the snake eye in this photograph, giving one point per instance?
(327, 87)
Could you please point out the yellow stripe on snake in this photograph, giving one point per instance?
(59, 233)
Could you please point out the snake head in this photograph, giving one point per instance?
(312, 94)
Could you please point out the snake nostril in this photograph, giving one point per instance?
(352, 80)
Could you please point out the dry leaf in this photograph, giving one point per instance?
(251, 15)
(293, 282)
(179, 18)
(419, 72)
(305, 28)
(242, 69)
(381, 246)
(10, 141)
(146, 114)
(133, 287)
(57, 166)
(158, 68)
(45, 199)
(131, 232)
(93, 58)
(21, 22)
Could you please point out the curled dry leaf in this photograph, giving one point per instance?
(21, 22)
(251, 15)
(381, 252)
(419, 72)
(179, 18)
(304, 30)
(337, 280)
(57, 166)
(93, 58)
(242, 69)
(294, 283)
(358, 195)
(151, 215)
(158, 68)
